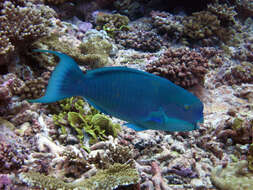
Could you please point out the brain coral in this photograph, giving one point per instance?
(182, 66)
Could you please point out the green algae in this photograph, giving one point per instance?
(108, 179)
(96, 125)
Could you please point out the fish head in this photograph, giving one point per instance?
(193, 113)
(184, 119)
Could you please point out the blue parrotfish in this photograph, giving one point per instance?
(144, 100)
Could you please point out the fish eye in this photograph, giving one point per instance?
(186, 107)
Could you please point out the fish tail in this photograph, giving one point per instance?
(65, 80)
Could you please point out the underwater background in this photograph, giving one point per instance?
(204, 46)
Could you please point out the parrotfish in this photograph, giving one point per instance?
(144, 100)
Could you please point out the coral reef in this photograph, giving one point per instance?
(130, 8)
(70, 145)
(238, 74)
(224, 13)
(93, 52)
(205, 25)
(13, 151)
(55, 2)
(139, 40)
(34, 88)
(234, 177)
(97, 51)
(182, 66)
(21, 23)
(116, 175)
(140, 36)
(56, 42)
(245, 8)
(250, 157)
(167, 24)
(105, 153)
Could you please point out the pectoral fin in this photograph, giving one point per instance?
(156, 117)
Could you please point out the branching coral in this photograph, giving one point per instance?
(167, 23)
(237, 74)
(32, 89)
(22, 23)
(182, 66)
(12, 152)
(224, 13)
(96, 51)
(116, 175)
(139, 40)
(203, 25)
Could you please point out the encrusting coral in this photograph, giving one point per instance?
(139, 40)
(109, 179)
(96, 51)
(22, 22)
(53, 42)
(182, 66)
(233, 177)
(111, 22)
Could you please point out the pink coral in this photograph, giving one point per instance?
(182, 66)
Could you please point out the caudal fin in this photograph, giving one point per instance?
(65, 80)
